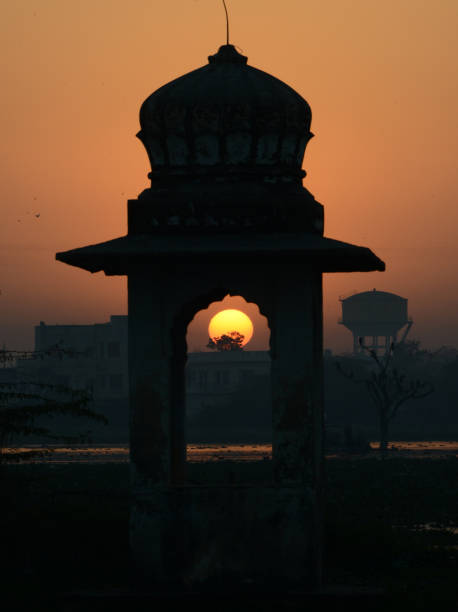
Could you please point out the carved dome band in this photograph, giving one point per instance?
(226, 118)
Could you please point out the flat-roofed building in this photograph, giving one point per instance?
(213, 378)
(81, 356)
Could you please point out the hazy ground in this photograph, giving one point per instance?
(390, 525)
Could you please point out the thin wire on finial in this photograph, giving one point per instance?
(227, 22)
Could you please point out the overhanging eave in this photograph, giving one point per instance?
(116, 256)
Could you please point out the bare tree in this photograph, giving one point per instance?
(23, 403)
(388, 388)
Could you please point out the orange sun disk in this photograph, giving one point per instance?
(230, 320)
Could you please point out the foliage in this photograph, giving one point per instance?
(8, 358)
(227, 342)
(389, 387)
(24, 403)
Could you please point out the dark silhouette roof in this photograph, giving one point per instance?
(374, 295)
(226, 144)
(226, 116)
(327, 255)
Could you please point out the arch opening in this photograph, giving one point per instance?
(228, 400)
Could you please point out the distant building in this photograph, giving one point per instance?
(212, 378)
(8, 375)
(95, 357)
(81, 356)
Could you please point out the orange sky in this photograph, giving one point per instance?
(381, 78)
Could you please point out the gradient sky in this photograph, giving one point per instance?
(382, 81)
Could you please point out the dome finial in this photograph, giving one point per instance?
(227, 22)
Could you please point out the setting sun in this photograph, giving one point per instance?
(227, 321)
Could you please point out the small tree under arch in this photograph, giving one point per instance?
(227, 342)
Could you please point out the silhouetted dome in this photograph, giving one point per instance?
(226, 118)
(374, 296)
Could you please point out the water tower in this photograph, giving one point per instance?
(376, 317)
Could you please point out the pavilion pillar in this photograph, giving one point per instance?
(296, 351)
(156, 393)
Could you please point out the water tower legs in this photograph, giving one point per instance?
(355, 343)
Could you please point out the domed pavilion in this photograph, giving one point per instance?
(226, 213)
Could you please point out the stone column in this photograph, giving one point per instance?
(297, 378)
(150, 379)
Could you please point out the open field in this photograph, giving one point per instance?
(390, 525)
